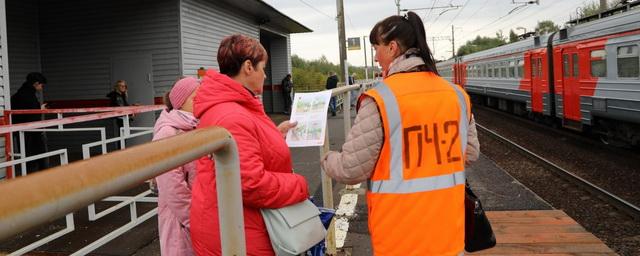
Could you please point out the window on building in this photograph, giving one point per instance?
(599, 63)
(520, 68)
(628, 61)
(565, 65)
(574, 59)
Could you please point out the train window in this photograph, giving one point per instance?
(574, 59)
(504, 69)
(520, 68)
(484, 70)
(489, 70)
(512, 68)
(534, 67)
(598, 63)
(565, 65)
(539, 67)
(628, 61)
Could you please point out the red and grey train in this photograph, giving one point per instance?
(586, 77)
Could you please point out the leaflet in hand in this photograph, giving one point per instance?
(310, 111)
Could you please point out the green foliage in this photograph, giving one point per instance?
(593, 7)
(513, 37)
(481, 43)
(311, 75)
(546, 27)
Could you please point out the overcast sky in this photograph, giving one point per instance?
(474, 17)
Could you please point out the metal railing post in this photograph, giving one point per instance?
(230, 200)
(327, 196)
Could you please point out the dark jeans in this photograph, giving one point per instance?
(332, 106)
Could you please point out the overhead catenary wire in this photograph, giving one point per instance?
(318, 11)
(454, 17)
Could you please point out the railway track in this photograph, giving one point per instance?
(619, 203)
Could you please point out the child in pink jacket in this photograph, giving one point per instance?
(174, 199)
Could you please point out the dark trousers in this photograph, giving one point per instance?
(286, 95)
(332, 106)
(34, 143)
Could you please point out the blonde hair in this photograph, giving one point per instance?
(115, 86)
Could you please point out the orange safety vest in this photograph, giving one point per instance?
(416, 192)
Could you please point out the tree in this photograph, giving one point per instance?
(481, 43)
(546, 27)
(593, 7)
(311, 75)
(513, 37)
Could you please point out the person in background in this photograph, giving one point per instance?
(332, 83)
(174, 199)
(354, 93)
(229, 99)
(118, 97)
(412, 136)
(287, 87)
(26, 98)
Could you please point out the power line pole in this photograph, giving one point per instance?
(341, 38)
(398, 6)
(364, 47)
(603, 5)
(453, 42)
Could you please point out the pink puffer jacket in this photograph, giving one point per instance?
(174, 199)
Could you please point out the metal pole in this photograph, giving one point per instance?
(230, 200)
(398, 6)
(346, 104)
(327, 196)
(603, 5)
(364, 47)
(453, 42)
(341, 37)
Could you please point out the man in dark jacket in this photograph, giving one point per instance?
(332, 83)
(26, 98)
(287, 86)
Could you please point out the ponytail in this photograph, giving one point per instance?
(421, 41)
(409, 32)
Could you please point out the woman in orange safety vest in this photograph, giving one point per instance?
(411, 138)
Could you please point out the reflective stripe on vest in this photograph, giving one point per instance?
(396, 183)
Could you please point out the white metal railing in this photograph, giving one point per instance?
(58, 126)
(83, 185)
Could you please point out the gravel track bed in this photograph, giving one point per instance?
(613, 169)
(617, 230)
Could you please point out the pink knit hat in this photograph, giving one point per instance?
(181, 91)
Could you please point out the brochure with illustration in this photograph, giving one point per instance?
(310, 111)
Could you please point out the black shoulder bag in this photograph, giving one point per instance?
(478, 233)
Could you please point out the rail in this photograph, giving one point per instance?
(624, 206)
(30, 201)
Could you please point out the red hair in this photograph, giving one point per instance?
(235, 50)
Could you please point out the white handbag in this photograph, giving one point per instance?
(294, 229)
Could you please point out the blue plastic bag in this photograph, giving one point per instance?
(326, 215)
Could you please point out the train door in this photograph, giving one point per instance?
(571, 84)
(536, 82)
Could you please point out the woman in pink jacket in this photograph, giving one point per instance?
(229, 99)
(174, 186)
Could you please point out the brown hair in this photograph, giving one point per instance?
(115, 86)
(235, 50)
(409, 32)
